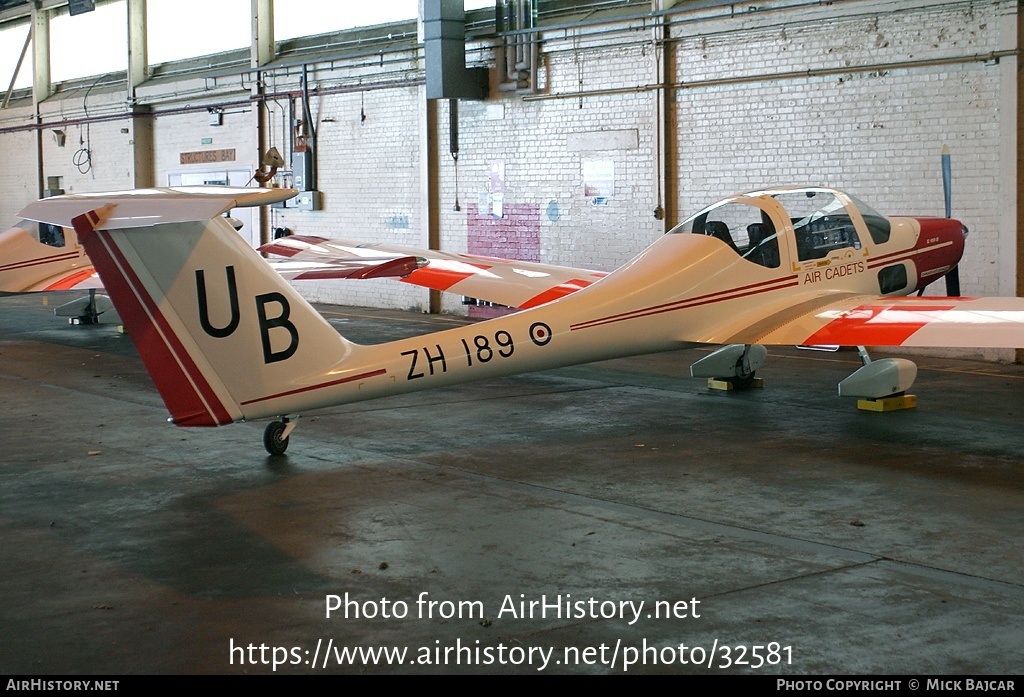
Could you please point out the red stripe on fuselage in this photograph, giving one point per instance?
(65, 256)
(905, 255)
(351, 378)
(706, 299)
(186, 392)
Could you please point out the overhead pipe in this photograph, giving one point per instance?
(534, 54)
(310, 129)
(991, 57)
(174, 111)
(518, 50)
(664, 117)
(509, 81)
(501, 49)
(635, 89)
(520, 38)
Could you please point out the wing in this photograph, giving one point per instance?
(358, 268)
(895, 321)
(519, 284)
(82, 278)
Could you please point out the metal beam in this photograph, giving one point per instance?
(41, 85)
(25, 10)
(261, 52)
(262, 46)
(138, 46)
(1018, 153)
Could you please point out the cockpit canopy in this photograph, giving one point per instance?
(45, 233)
(822, 221)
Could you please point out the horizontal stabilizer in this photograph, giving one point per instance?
(146, 207)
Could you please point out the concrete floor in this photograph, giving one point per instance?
(857, 542)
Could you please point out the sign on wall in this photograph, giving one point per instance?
(598, 178)
(202, 157)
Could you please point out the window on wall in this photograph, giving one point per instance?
(331, 15)
(88, 44)
(180, 29)
(12, 40)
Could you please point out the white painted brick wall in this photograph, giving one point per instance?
(876, 133)
(18, 173)
(103, 151)
(184, 133)
(369, 174)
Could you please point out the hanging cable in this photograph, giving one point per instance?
(82, 159)
(453, 144)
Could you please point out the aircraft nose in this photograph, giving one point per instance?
(940, 246)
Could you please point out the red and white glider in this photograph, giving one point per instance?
(226, 338)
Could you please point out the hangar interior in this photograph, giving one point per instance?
(570, 132)
(624, 118)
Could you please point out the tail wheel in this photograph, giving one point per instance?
(274, 439)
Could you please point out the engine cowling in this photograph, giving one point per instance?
(939, 248)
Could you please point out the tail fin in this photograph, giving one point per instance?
(216, 327)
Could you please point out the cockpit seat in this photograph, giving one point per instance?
(719, 230)
(764, 247)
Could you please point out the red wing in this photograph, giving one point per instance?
(519, 284)
(82, 278)
(905, 321)
(323, 269)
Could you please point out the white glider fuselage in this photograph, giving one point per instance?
(684, 289)
(226, 338)
(553, 335)
(252, 347)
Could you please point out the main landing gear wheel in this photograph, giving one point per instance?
(731, 367)
(274, 438)
(742, 382)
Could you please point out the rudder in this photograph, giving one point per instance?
(216, 327)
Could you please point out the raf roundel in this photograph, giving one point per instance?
(540, 333)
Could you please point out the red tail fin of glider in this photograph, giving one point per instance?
(189, 396)
(216, 327)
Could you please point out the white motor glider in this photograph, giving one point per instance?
(226, 338)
